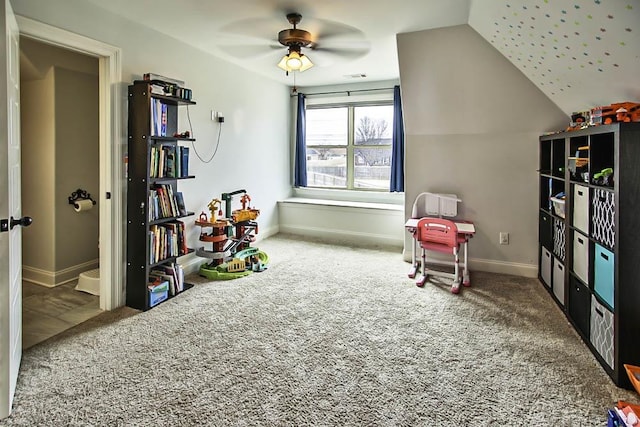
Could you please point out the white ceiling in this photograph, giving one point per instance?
(580, 54)
(245, 32)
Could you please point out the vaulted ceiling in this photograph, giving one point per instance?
(580, 53)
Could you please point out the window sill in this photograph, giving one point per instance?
(349, 198)
(345, 203)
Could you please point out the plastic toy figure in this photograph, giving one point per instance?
(230, 239)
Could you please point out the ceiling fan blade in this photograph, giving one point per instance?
(257, 28)
(253, 51)
(325, 30)
(342, 52)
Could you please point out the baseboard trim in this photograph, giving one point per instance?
(343, 236)
(513, 268)
(493, 266)
(51, 279)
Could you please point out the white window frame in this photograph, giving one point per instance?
(351, 145)
(340, 194)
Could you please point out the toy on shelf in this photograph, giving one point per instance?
(229, 239)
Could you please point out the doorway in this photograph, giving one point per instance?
(60, 155)
(109, 200)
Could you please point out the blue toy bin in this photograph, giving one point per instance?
(158, 292)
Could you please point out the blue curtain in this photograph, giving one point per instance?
(397, 147)
(300, 174)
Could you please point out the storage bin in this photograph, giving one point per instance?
(559, 238)
(558, 206)
(558, 281)
(581, 208)
(604, 274)
(158, 293)
(545, 266)
(545, 230)
(603, 220)
(581, 256)
(579, 305)
(601, 331)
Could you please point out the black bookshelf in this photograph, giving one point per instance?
(589, 249)
(153, 127)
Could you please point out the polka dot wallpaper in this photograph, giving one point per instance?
(580, 53)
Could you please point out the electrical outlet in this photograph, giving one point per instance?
(214, 115)
(504, 238)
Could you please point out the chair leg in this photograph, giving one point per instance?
(465, 272)
(423, 277)
(455, 287)
(414, 261)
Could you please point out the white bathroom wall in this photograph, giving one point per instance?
(60, 155)
(77, 166)
(38, 166)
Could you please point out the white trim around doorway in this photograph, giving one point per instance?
(111, 150)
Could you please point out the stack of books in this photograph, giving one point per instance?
(166, 241)
(169, 161)
(172, 273)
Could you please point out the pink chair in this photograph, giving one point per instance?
(440, 235)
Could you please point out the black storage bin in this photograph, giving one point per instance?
(579, 305)
(546, 231)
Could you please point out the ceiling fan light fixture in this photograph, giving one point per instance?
(295, 61)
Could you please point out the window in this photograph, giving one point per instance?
(349, 146)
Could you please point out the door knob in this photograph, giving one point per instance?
(8, 224)
(25, 221)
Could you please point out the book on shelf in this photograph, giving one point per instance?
(170, 164)
(172, 273)
(184, 161)
(182, 210)
(162, 202)
(158, 275)
(159, 113)
(177, 158)
(167, 240)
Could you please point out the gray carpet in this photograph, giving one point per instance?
(328, 335)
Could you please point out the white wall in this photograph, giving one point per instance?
(253, 152)
(472, 122)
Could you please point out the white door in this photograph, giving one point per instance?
(10, 230)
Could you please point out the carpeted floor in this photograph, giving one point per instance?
(330, 336)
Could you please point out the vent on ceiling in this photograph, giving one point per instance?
(355, 76)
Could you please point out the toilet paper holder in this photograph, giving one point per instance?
(78, 195)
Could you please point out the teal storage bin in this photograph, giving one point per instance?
(604, 285)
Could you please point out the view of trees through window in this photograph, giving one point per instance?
(349, 146)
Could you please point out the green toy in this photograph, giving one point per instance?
(604, 177)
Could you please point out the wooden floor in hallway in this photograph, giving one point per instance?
(48, 311)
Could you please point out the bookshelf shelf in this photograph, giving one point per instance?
(170, 259)
(156, 237)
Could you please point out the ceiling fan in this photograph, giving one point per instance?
(295, 39)
(327, 41)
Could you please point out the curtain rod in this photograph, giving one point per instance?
(348, 92)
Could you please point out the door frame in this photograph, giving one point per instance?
(111, 240)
